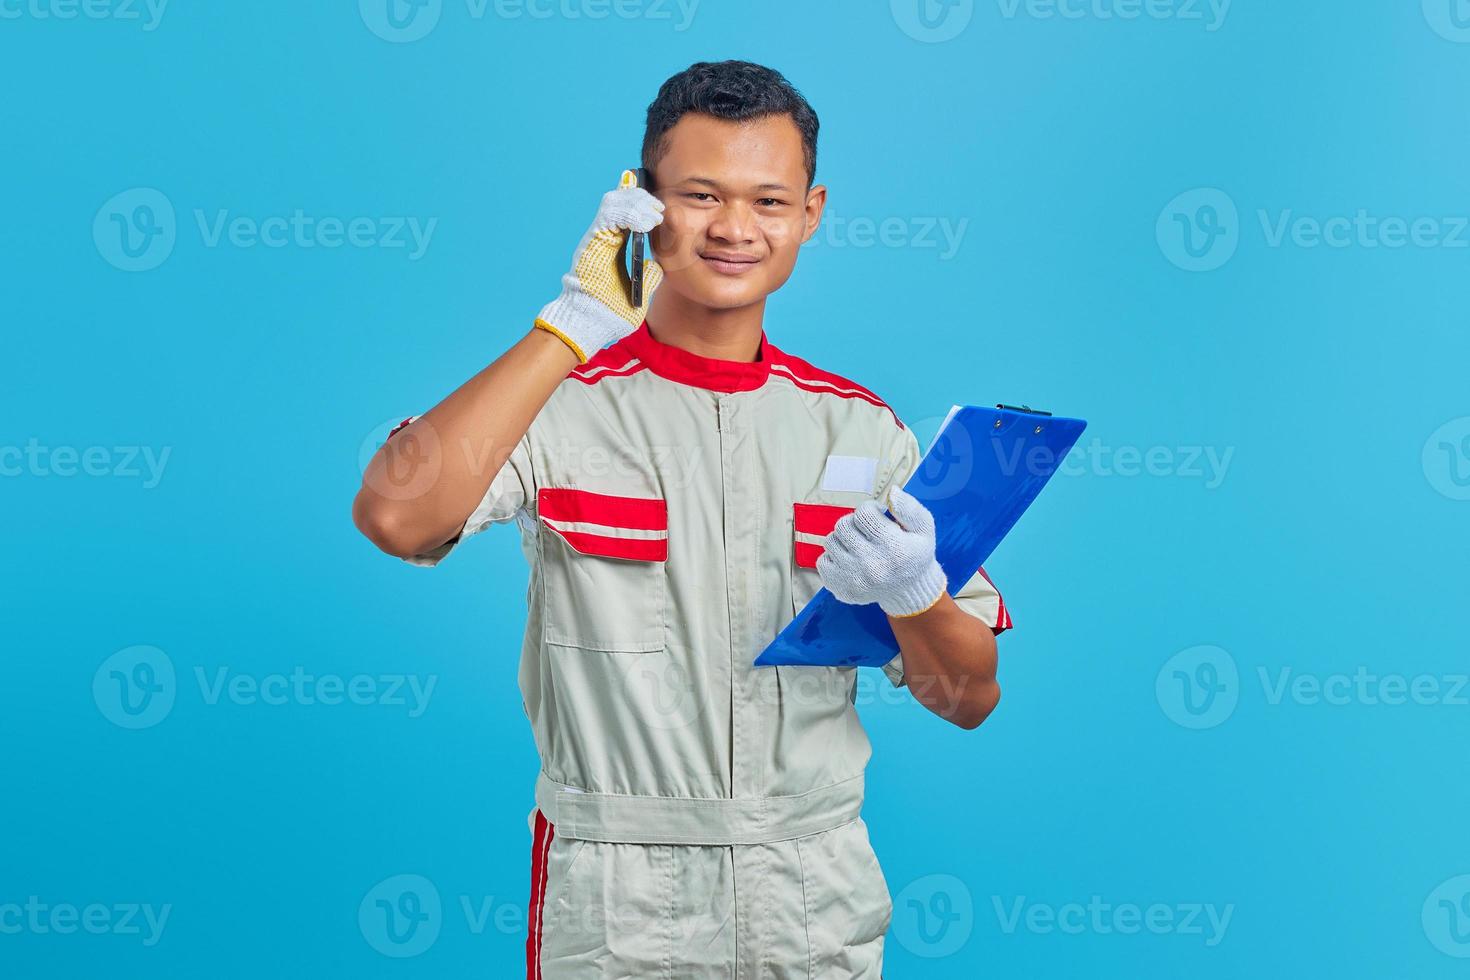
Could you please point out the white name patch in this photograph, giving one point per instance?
(855, 473)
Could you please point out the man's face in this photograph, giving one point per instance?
(736, 208)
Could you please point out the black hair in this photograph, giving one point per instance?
(735, 90)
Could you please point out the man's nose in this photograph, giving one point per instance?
(733, 223)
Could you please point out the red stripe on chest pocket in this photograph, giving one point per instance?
(606, 525)
(814, 520)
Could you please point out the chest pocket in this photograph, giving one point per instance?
(810, 525)
(602, 569)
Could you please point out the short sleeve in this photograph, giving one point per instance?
(979, 597)
(503, 500)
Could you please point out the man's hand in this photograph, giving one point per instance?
(870, 558)
(593, 309)
(948, 655)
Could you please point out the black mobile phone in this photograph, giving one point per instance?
(638, 245)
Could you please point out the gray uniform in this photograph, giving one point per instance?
(695, 816)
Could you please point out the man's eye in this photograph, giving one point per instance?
(770, 202)
(699, 195)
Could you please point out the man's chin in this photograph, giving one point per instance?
(714, 296)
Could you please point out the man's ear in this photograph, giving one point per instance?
(816, 200)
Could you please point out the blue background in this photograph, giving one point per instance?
(1334, 540)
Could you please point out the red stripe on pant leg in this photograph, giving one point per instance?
(586, 507)
(540, 845)
(818, 518)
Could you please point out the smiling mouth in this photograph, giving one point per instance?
(730, 266)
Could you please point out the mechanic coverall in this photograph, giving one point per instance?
(695, 817)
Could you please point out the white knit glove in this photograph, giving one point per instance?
(593, 309)
(870, 558)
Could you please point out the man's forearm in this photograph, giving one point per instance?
(949, 662)
(421, 486)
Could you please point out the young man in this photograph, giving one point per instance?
(681, 493)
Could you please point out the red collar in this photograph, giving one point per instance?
(678, 364)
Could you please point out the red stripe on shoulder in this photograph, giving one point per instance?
(616, 361)
(809, 377)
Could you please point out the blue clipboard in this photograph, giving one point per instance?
(984, 469)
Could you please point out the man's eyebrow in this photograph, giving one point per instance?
(717, 186)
